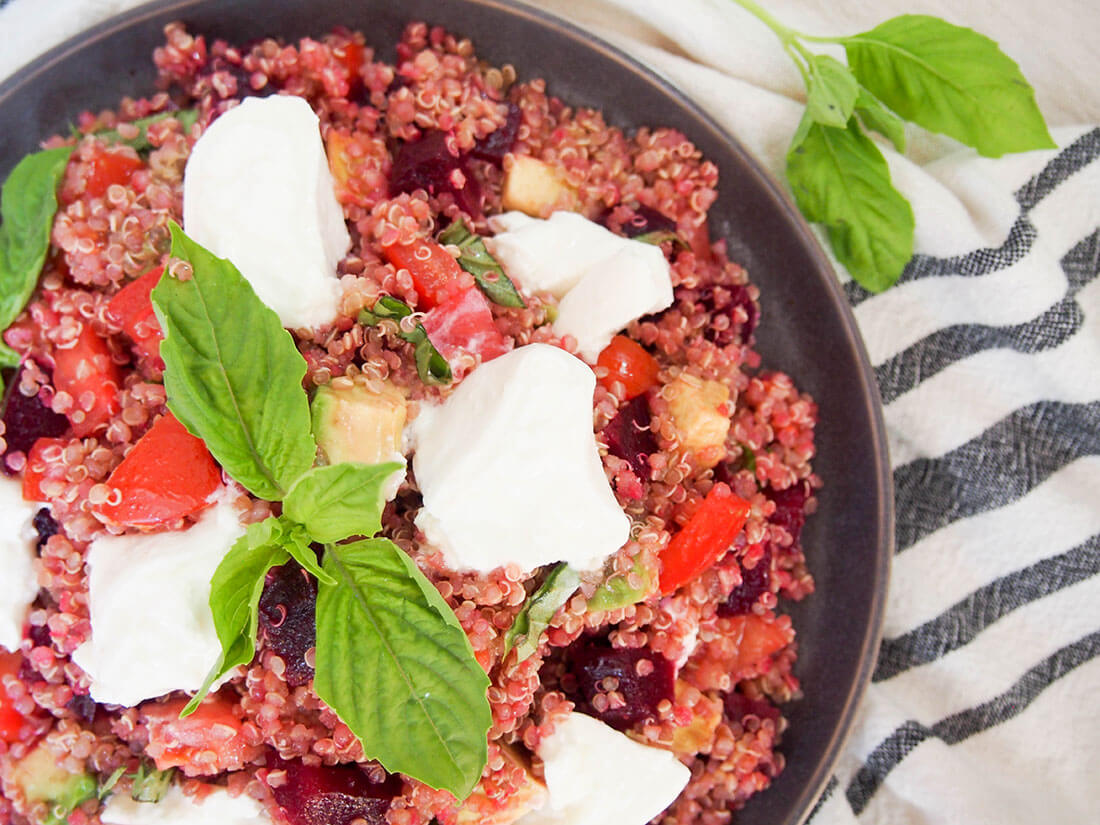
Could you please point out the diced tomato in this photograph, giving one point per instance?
(350, 56)
(209, 741)
(11, 720)
(436, 274)
(35, 470)
(756, 638)
(465, 322)
(132, 310)
(627, 362)
(704, 539)
(86, 372)
(167, 475)
(108, 167)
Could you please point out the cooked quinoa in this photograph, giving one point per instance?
(723, 721)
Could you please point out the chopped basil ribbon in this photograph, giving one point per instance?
(186, 117)
(477, 260)
(431, 366)
(534, 617)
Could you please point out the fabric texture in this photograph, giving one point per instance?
(982, 706)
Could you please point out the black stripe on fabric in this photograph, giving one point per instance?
(960, 726)
(944, 347)
(999, 466)
(830, 789)
(959, 624)
(1070, 160)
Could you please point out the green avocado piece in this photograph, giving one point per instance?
(355, 422)
(615, 592)
(41, 779)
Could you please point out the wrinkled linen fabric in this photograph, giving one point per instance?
(982, 706)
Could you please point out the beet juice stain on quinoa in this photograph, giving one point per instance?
(676, 641)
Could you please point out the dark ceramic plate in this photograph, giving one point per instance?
(807, 327)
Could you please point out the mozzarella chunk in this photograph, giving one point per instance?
(19, 582)
(257, 190)
(613, 292)
(596, 775)
(509, 469)
(148, 599)
(551, 255)
(176, 808)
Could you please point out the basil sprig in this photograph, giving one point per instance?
(534, 617)
(233, 377)
(476, 259)
(28, 203)
(431, 366)
(918, 68)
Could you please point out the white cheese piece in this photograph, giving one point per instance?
(509, 469)
(18, 582)
(596, 775)
(257, 190)
(148, 599)
(551, 255)
(176, 808)
(613, 292)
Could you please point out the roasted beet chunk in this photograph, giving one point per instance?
(738, 706)
(647, 221)
(629, 437)
(287, 620)
(45, 526)
(721, 301)
(27, 419)
(753, 582)
(83, 707)
(495, 145)
(433, 164)
(329, 794)
(639, 676)
(790, 508)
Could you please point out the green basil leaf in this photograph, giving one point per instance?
(832, 92)
(659, 236)
(297, 544)
(28, 203)
(877, 117)
(340, 500)
(233, 374)
(840, 178)
(186, 117)
(149, 784)
(476, 259)
(949, 79)
(616, 591)
(748, 458)
(431, 366)
(395, 665)
(235, 590)
(76, 791)
(534, 617)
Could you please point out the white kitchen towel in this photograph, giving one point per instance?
(983, 705)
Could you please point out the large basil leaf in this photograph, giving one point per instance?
(340, 500)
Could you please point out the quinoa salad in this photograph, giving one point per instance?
(385, 443)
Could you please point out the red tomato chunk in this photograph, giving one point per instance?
(435, 273)
(704, 539)
(209, 741)
(132, 309)
(86, 371)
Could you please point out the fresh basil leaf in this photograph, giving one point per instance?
(832, 92)
(235, 590)
(534, 617)
(233, 374)
(616, 591)
(28, 203)
(748, 458)
(659, 236)
(396, 666)
(149, 784)
(340, 500)
(875, 116)
(108, 784)
(840, 178)
(476, 259)
(298, 544)
(78, 790)
(431, 366)
(186, 117)
(949, 79)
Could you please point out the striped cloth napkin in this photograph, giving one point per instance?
(983, 702)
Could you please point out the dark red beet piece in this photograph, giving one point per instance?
(45, 526)
(753, 583)
(330, 794)
(434, 166)
(288, 620)
(27, 419)
(592, 660)
(646, 221)
(722, 301)
(39, 634)
(790, 507)
(629, 437)
(495, 145)
(83, 707)
(738, 706)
